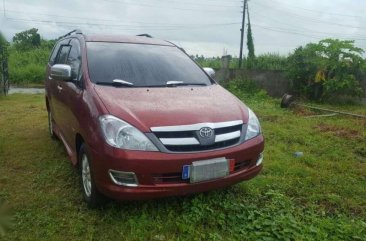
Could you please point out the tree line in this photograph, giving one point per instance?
(328, 68)
(27, 57)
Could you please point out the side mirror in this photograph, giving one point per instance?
(61, 72)
(210, 72)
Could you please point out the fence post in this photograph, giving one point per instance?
(5, 75)
(224, 72)
(1, 69)
(4, 84)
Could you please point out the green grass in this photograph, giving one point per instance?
(320, 196)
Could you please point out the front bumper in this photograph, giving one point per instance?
(153, 169)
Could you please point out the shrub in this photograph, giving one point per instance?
(28, 66)
(328, 69)
(269, 61)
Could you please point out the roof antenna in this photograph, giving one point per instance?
(144, 35)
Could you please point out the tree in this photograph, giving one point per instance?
(4, 54)
(327, 69)
(250, 43)
(3, 46)
(250, 63)
(3, 41)
(27, 39)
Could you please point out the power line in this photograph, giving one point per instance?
(230, 1)
(297, 28)
(93, 19)
(134, 27)
(175, 8)
(62, 16)
(196, 3)
(313, 19)
(294, 32)
(322, 12)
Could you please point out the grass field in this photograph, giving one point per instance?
(319, 196)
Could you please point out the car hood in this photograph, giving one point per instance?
(152, 107)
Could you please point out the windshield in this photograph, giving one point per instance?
(141, 64)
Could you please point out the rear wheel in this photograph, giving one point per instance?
(91, 195)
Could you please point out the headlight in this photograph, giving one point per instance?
(120, 134)
(254, 128)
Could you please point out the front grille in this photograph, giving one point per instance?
(187, 138)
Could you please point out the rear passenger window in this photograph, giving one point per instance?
(63, 53)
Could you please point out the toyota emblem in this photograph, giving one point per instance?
(206, 132)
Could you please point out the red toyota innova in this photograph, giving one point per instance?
(140, 119)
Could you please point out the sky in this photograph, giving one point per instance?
(203, 27)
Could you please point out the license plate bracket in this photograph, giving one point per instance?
(208, 170)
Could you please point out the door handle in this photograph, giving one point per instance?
(59, 88)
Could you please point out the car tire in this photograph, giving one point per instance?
(50, 125)
(91, 195)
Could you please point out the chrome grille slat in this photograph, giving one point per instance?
(227, 136)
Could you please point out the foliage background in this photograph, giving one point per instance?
(328, 69)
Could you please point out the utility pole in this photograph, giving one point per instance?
(242, 33)
(4, 8)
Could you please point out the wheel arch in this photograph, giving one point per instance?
(47, 104)
(79, 140)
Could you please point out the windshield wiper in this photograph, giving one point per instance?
(173, 83)
(116, 82)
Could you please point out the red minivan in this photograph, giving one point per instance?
(141, 119)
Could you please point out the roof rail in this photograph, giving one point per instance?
(76, 31)
(176, 46)
(144, 35)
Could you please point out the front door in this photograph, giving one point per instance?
(71, 97)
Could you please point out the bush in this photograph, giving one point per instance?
(270, 61)
(28, 66)
(328, 69)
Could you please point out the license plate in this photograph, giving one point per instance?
(206, 170)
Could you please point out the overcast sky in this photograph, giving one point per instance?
(207, 27)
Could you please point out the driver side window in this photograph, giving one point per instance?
(62, 55)
(74, 60)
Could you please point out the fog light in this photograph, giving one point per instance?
(260, 159)
(128, 179)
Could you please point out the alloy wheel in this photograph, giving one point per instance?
(86, 176)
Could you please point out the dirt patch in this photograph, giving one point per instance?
(269, 118)
(339, 131)
(363, 122)
(303, 111)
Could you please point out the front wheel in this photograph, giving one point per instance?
(91, 195)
